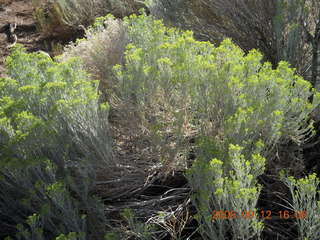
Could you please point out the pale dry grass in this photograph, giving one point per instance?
(5, 2)
(100, 51)
(63, 18)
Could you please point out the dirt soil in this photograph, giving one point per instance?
(21, 13)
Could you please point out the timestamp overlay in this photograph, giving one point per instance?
(262, 214)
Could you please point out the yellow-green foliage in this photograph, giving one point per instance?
(220, 92)
(239, 108)
(306, 204)
(235, 191)
(51, 127)
(41, 99)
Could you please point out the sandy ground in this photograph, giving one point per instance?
(20, 12)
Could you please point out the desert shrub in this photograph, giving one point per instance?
(52, 102)
(231, 101)
(232, 196)
(53, 137)
(305, 205)
(171, 87)
(178, 84)
(137, 229)
(75, 12)
(67, 14)
(281, 30)
(249, 24)
(101, 50)
(64, 17)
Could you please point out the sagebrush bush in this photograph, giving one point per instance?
(53, 137)
(281, 30)
(305, 205)
(171, 87)
(51, 103)
(63, 18)
(176, 86)
(235, 193)
(55, 16)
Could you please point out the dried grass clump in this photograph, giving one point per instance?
(63, 18)
(101, 50)
(75, 12)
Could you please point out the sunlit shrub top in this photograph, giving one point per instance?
(40, 101)
(223, 92)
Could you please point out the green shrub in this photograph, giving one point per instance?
(53, 136)
(48, 106)
(171, 87)
(281, 30)
(137, 229)
(175, 86)
(235, 193)
(305, 205)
